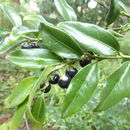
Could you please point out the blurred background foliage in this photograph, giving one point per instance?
(116, 118)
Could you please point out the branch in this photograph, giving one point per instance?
(120, 56)
(125, 14)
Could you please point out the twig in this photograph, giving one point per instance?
(26, 122)
(120, 56)
(125, 14)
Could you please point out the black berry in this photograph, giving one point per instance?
(64, 82)
(47, 89)
(42, 85)
(34, 45)
(55, 78)
(90, 52)
(72, 72)
(85, 62)
(24, 46)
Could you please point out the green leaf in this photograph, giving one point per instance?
(12, 14)
(18, 116)
(92, 37)
(123, 7)
(65, 10)
(34, 58)
(113, 12)
(80, 90)
(42, 78)
(15, 38)
(19, 31)
(8, 44)
(20, 92)
(38, 112)
(37, 18)
(59, 42)
(5, 126)
(116, 87)
(3, 34)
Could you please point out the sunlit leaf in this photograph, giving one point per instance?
(15, 38)
(123, 7)
(59, 42)
(38, 112)
(34, 58)
(20, 92)
(80, 90)
(65, 10)
(114, 12)
(13, 16)
(7, 44)
(92, 37)
(116, 87)
(37, 18)
(18, 116)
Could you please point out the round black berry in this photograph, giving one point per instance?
(72, 72)
(34, 45)
(24, 46)
(47, 89)
(55, 78)
(85, 62)
(64, 82)
(90, 52)
(42, 85)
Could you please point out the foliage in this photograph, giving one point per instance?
(55, 48)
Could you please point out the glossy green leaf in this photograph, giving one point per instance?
(37, 18)
(123, 7)
(80, 90)
(3, 34)
(65, 10)
(116, 87)
(92, 37)
(20, 92)
(42, 78)
(18, 115)
(34, 58)
(19, 31)
(114, 12)
(8, 44)
(13, 16)
(59, 42)
(15, 38)
(39, 110)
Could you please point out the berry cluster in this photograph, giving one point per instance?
(62, 82)
(29, 46)
(65, 80)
